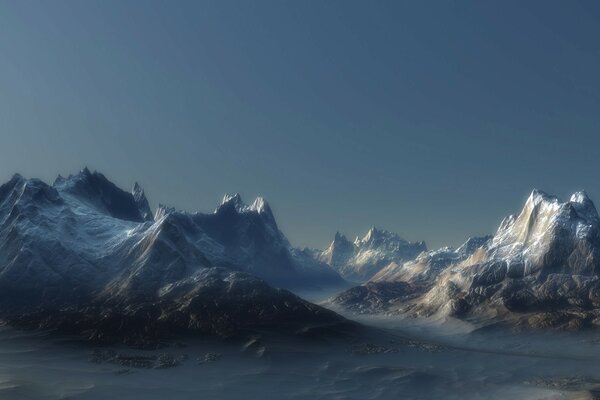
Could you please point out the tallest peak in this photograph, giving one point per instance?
(537, 194)
(538, 197)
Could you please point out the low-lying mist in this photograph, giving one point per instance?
(394, 358)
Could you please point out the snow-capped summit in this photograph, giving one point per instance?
(236, 206)
(94, 190)
(259, 205)
(429, 264)
(232, 200)
(87, 230)
(339, 251)
(541, 269)
(377, 238)
(545, 258)
(547, 225)
(550, 236)
(85, 244)
(360, 260)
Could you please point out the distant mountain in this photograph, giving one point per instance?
(85, 245)
(426, 266)
(396, 283)
(540, 269)
(360, 260)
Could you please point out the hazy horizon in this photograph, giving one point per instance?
(432, 122)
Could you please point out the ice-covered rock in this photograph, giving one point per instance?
(540, 269)
(360, 260)
(85, 245)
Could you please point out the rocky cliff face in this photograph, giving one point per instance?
(360, 260)
(83, 249)
(539, 269)
(397, 283)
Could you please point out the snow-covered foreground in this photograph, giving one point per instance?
(386, 365)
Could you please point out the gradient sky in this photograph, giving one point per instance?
(431, 119)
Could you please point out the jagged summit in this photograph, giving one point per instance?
(585, 207)
(540, 269)
(372, 234)
(360, 260)
(259, 205)
(550, 235)
(339, 237)
(87, 245)
(95, 190)
(339, 252)
(544, 221)
(540, 195)
(139, 196)
(234, 200)
(137, 191)
(428, 264)
(377, 237)
(91, 219)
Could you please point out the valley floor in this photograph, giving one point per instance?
(399, 359)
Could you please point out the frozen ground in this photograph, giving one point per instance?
(450, 363)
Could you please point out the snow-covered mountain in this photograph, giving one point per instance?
(427, 266)
(360, 260)
(541, 268)
(84, 241)
(396, 283)
(543, 261)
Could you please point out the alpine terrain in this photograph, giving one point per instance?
(86, 257)
(540, 269)
(358, 261)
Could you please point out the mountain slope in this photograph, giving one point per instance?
(426, 266)
(396, 283)
(360, 260)
(86, 248)
(540, 269)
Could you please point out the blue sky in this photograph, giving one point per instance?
(431, 119)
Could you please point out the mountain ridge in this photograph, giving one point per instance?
(83, 248)
(360, 260)
(540, 269)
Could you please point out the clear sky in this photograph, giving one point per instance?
(433, 119)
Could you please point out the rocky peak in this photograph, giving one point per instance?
(232, 200)
(585, 207)
(94, 189)
(260, 207)
(142, 202)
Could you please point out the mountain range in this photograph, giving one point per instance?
(360, 260)
(540, 269)
(86, 256)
